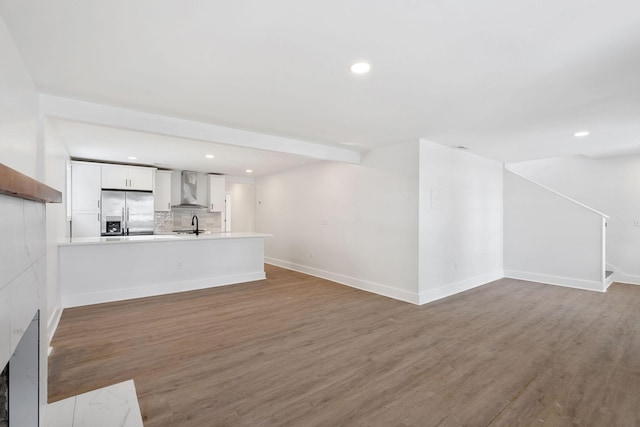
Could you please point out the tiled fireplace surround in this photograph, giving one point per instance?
(22, 286)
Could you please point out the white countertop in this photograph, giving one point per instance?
(159, 238)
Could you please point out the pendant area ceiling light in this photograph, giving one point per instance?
(132, 158)
(360, 68)
(249, 171)
(581, 133)
(209, 156)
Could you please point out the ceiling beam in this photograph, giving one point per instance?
(105, 115)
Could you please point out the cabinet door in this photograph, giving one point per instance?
(85, 224)
(216, 193)
(162, 191)
(141, 179)
(85, 187)
(115, 177)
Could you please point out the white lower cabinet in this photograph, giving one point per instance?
(85, 224)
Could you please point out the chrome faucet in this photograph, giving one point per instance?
(194, 221)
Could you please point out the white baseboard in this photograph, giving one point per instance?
(622, 277)
(628, 279)
(364, 285)
(115, 294)
(568, 282)
(53, 322)
(455, 288)
(608, 281)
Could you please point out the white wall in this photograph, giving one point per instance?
(243, 205)
(550, 239)
(18, 110)
(610, 185)
(460, 221)
(355, 224)
(56, 159)
(23, 242)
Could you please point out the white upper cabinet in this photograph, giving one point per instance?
(162, 191)
(116, 177)
(85, 187)
(121, 177)
(216, 193)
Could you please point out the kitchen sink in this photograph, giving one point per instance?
(190, 231)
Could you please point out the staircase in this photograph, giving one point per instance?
(608, 279)
(551, 238)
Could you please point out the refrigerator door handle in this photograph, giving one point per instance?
(127, 216)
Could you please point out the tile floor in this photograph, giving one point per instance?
(116, 405)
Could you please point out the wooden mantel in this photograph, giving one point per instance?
(16, 184)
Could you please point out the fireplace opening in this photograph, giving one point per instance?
(20, 381)
(4, 397)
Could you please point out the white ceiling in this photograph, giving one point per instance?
(512, 80)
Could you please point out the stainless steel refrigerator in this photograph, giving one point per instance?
(126, 213)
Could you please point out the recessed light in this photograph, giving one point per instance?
(360, 68)
(581, 133)
(132, 158)
(249, 171)
(209, 156)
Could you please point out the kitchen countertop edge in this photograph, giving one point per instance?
(158, 238)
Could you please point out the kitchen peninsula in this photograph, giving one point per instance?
(94, 270)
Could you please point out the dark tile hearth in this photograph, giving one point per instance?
(4, 397)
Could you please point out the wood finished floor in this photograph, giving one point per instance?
(294, 350)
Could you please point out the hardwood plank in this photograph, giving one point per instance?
(297, 350)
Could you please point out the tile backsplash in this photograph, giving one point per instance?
(180, 219)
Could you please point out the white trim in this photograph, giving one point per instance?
(608, 281)
(239, 179)
(364, 285)
(556, 193)
(53, 323)
(603, 253)
(76, 300)
(620, 276)
(568, 282)
(462, 286)
(106, 115)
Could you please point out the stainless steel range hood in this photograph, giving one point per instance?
(189, 191)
